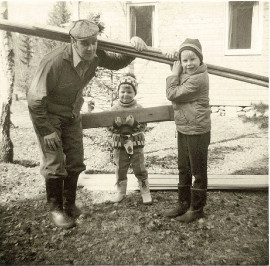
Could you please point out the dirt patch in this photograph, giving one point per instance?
(234, 231)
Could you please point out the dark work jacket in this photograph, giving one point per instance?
(57, 88)
(189, 95)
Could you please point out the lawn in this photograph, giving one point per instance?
(234, 230)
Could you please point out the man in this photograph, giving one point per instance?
(54, 101)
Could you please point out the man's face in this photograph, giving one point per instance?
(126, 93)
(86, 48)
(189, 61)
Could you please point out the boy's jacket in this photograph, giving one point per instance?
(189, 95)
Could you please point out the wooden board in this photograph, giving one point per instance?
(106, 118)
(60, 34)
(106, 182)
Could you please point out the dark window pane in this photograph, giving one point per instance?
(141, 23)
(240, 24)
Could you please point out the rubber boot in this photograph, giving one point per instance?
(121, 191)
(54, 189)
(183, 202)
(195, 211)
(145, 191)
(69, 195)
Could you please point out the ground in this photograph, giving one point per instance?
(233, 231)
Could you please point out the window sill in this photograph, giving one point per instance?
(242, 52)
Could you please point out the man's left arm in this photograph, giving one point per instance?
(116, 61)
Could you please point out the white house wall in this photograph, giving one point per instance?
(179, 20)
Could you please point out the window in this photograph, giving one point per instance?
(244, 27)
(142, 22)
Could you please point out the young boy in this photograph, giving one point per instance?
(128, 141)
(188, 89)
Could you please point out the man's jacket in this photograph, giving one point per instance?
(190, 98)
(57, 88)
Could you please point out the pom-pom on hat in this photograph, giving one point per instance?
(193, 45)
(83, 29)
(128, 79)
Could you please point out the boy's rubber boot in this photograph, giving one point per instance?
(195, 211)
(54, 189)
(121, 191)
(145, 191)
(183, 202)
(69, 195)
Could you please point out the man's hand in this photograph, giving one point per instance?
(117, 122)
(177, 68)
(130, 120)
(52, 141)
(138, 43)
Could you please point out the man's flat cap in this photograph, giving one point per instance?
(83, 29)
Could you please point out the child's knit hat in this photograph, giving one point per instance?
(193, 45)
(128, 79)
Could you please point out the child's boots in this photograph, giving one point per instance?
(121, 191)
(182, 204)
(198, 201)
(145, 192)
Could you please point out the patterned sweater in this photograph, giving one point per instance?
(125, 132)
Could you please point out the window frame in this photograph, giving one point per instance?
(256, 41)
(155, 20)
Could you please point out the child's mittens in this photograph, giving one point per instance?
(91, 105)
(130, 121)
(117, 123)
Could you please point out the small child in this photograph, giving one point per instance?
(188, 89)
(128, 141)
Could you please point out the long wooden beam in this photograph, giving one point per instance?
(106, 182)
(59, 34)
(106, 118)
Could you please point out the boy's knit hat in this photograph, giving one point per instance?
(193, 45)
(127, 79)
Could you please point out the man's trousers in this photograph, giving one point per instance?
(68, 158)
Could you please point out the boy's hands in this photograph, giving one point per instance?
(117, 122)
(130, 120)
(177, 68)
(173, 55)
(138, 43)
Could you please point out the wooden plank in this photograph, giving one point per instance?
(106, 182)
(105, 119)
(212, 177)
(60, 34)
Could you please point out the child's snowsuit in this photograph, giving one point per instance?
(128, 143)
(122, 136)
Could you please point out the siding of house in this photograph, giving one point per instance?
(177, 21)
